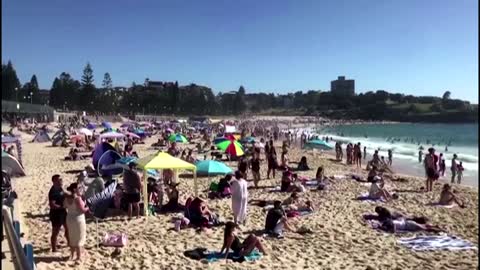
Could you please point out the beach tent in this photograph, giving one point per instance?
(161, 161)
(107, 125)
(11, 165)
(14, 140)
(91, 126)
(211, 168)
(230, 129)
(319, 144)
(108, 158)
(99, 150)
(41, 136)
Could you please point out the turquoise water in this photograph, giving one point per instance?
(405, 139)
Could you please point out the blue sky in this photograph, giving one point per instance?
(413, 47)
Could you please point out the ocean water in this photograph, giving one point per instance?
(405, 140)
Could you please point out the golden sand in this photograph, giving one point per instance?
(340, 240)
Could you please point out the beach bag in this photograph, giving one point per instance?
(115, 240)
(213, 186)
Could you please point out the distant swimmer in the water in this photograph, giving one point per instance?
(421, 147)
(446, 148)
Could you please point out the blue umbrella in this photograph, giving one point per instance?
(212, 167)
(91, 126)
(319, 144)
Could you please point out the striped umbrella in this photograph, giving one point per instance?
(232, 147)
(177, 138)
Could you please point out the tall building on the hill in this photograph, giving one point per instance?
(343, 87)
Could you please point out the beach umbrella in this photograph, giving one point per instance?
(85, 131)
(223, 139)
(91, 126)
(319, 144)
(212, 167)
(231, 147)
(177, 138)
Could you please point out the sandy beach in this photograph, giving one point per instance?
(340, 238)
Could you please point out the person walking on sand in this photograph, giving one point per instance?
(76, 210)
(364, 152)
(359, 156)
(255, 166)
(454, 168)
(58, 213)
(239, 198)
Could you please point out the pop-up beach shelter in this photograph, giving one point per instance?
(162, 161)
(319, 144)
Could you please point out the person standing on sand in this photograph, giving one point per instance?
(359, 156)
(76, 210)
(460, 172)
(255, 166)
(271, 160)
(239, 198)
(454, 168)
(58, 213)
(390, 157)
(441, 165)
(364, 152)
(430, 168)
(132, 185)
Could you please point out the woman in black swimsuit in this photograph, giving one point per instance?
(231, 241)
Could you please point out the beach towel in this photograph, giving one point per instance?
(436, 242)
(366, 198)
(216, 256)
(275, 189)
(442, 205)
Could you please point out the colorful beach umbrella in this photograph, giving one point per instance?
(106, 125)
(231, 147)
(177, 138)
(319, 144)
(212, 167)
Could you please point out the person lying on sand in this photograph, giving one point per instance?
(290, 183)
(232, 242)
(447, 197)
(394, 225)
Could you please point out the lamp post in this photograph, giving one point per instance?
(16, 94)
(31, 97)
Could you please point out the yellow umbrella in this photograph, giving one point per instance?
(162, 160)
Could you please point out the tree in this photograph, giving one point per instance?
(446, 95)
(10, 82)
(107, 82)
(87, 96)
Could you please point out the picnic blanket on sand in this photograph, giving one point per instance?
(436, 242)
(213, 256)
(366, 197)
